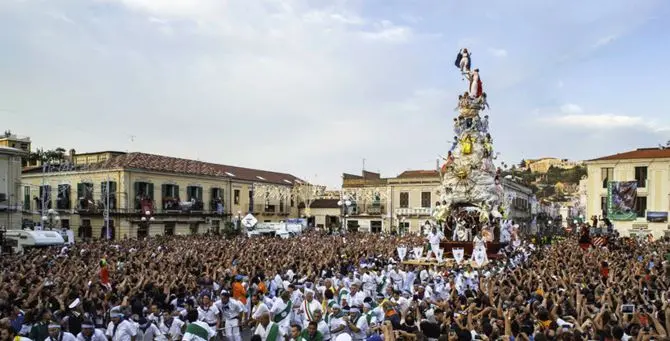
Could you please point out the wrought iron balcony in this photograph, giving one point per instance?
(416, 211)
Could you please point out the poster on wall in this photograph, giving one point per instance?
(657, 217)
(621, 198)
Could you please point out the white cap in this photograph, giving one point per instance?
(74, 303)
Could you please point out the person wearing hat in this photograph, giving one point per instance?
(231, 311)
(120, 329)
(56, 334)
(356, 324)
(335, 321)
(89, 333)
(74, 317)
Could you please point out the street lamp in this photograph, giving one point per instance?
(145, 222)
(344, 204)
(50, 219)
(239, 220)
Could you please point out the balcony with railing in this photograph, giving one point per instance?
(217, 206)
(86, 204)
(415, 211)
(171, 204)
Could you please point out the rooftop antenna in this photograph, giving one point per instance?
(132, 141)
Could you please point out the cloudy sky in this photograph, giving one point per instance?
(314, 87)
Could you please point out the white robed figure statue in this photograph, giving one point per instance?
(434, 238)
(479, 250)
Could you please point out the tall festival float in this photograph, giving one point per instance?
(472, 209)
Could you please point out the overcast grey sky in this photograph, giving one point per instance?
(313, 87)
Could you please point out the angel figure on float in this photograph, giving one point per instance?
(484, 124)
(448, 161)
(457, 126)
(466, 145)
(463, 60)
(454, 144)
(488, 146)
(484, 213)
(487, 233)
(481, 102)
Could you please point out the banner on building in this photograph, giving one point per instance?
(621, 198)
(657, 217)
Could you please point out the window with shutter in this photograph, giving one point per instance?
(26, 198)
(404, 199)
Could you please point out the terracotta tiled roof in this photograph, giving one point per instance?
(418, 174)
(324, 203)
(167, 164)
(641, 153)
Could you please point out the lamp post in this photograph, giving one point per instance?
(344, 204)
(145, 221)
(50, 219)
(238, 221)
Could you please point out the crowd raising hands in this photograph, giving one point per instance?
(319, 287)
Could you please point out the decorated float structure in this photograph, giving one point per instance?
(472, 207)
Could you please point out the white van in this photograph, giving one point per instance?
(20, 240)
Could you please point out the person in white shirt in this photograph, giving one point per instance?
(89, 333)
(258, 308)
(148, 331)
(231, 311)
(56, 334)
(281, 312)
(268, 330)
(308, 307)
(434, 239)
(197, 330)
(208, 313)
(120, 329)
(336, 322)
(172, 328)
(321, 325)
(357, 325)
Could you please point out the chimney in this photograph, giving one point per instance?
(437, 164)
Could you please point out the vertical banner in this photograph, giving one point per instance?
(621, 199)
(418, 252)
(439, 253)
(402, 252)
(458, 255)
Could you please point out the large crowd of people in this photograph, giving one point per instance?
(320, 287)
